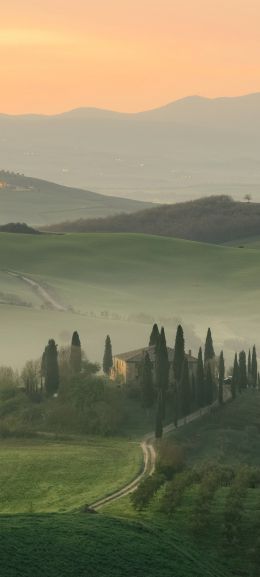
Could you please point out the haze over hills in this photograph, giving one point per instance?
(214, 219)
(39, 202)
(189, 148)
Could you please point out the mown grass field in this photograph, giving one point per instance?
(80, 546)
(59, 476)
(100, 276)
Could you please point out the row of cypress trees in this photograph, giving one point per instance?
(245, 372)
(186, 392)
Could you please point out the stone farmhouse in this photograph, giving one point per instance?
(127, 366)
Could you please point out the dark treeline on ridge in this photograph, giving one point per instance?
(213, 219)
(19, 228)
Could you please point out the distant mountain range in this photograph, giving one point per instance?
(216, 219)
(38, 202)
(189, 148)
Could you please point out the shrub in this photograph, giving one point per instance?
(146, 491)
(171, 459)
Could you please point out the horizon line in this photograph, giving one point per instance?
(127, 113)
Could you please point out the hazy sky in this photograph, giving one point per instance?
(125, 54)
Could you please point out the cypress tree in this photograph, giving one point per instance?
(194, 394)
(209, 349)
(162, 367)
(159, 417)
(51, 368)
(249, 368)
(221, 376)
(209, 385)
(200, 381)
(235, 378)
(43, 368)
(179, 354)
(185, 392)
(147, 387)
(175, 403)
(154, 337)
(254, 368)
(108, 357)
(242, 371)
(75, 353)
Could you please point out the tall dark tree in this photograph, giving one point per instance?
(194, 393)
(254, 368)
(159, 417)
(154, 337)
(147, 387)
(249, 368)
(75, 353)
(43, 368)
(175, 403)
(209, 385)
(108, 357)
(185, 390)
(242, 371)
(179, 354)
(51, 368)
(162, 368)
(209, 349)
(221, 376)
(235, 378)
(200, 381)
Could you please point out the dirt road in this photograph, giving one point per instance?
(149, 459)
(47, 299)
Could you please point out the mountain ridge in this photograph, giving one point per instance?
(191, 99)
(181, 151)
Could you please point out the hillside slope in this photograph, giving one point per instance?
(38, 202)
(119, 283)
(214, 219)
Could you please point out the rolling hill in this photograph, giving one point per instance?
(118, 284)
(75, 545)
(215, 219)
(38, 202)
(187, 149)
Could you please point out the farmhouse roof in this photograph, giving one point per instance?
(138, 355)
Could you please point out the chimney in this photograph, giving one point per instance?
(190, 353)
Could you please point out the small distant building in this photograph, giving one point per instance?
(127, 366)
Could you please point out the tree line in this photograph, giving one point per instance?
(188, 391)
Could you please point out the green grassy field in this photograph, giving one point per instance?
(79, 546)
(105, 279)
(55, 476)
(230, 436)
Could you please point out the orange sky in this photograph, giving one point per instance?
(125, 55)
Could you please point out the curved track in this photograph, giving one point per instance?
(149, 459)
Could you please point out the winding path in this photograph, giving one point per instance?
(46, 297)
(149, 459)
